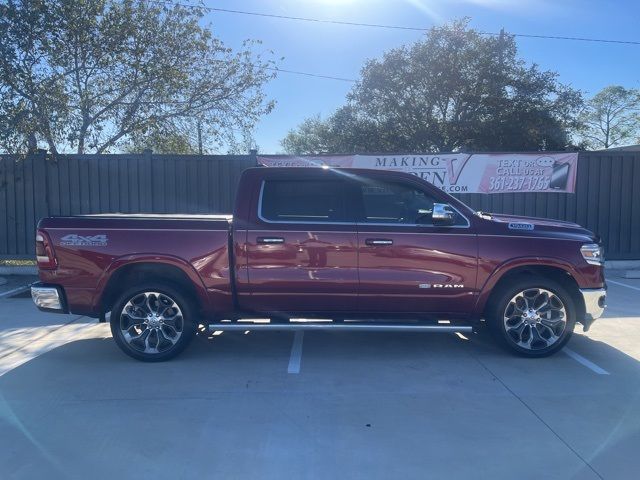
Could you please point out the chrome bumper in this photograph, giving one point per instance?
(594, 304)
(47, 298)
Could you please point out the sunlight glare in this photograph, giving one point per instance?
(334, 2)
(426, 7)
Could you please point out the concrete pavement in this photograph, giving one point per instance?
(362, 405)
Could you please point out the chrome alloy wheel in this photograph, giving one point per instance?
(535, 318)
(151, 322)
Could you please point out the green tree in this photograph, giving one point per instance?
(612, 117)
(312, 136)
(455, 89)
(163, 142)
(88, 75)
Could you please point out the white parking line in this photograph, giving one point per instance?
(587, 363)
(623, 284)
(21, 289)
(296, 353)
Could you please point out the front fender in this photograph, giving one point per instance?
(508, 266)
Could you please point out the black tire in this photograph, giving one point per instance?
(171, 335)
(511, 334)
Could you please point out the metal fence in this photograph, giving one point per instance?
(38, 186)
(607, 198)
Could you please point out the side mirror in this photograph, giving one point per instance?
(442, 214)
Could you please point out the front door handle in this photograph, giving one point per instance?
(377, 242)
(270, 240)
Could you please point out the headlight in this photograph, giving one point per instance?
(592, 253)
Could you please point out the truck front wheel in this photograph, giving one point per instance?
(153, 322)
(532, 316)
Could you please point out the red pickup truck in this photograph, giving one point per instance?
(317, 248)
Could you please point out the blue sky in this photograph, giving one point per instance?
(341, 51)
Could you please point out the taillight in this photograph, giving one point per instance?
(44, 252)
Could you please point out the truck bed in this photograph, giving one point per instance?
(90, 247)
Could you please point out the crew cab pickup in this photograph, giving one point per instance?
(318, 248)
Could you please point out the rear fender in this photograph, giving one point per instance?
(152, 258)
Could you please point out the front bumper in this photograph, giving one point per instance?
(48, 298)
(594, 304)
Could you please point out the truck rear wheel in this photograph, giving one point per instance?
(153, 322)
(532, 316)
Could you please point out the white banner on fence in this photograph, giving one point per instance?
(461, 172)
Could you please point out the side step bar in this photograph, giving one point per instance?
(355, 326)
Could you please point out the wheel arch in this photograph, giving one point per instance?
(558, 271)
(128, 272)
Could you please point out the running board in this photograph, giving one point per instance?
(369, 327)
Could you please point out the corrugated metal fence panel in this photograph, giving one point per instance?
(607, 198)
(37, 186)
(606, 201)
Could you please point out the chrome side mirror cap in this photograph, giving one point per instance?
(442, 214)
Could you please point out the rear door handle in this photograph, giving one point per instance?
(377, 242)
(270, 240)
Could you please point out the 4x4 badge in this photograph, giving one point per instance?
(75, 240)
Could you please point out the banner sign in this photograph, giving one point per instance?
(461, 172)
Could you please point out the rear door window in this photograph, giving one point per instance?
(308, 201)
